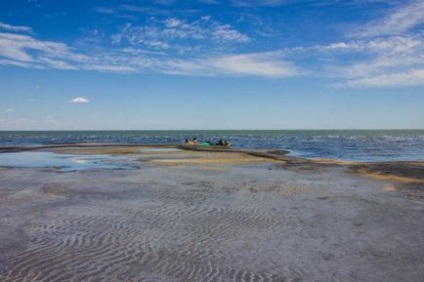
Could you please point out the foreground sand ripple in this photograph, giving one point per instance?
(161, 234)
(185, 223)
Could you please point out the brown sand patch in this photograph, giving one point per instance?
(55, 190)
(202, 159)
(389, 188)
(332, 161)
(404, 172)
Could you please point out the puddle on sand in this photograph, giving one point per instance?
(63, 162)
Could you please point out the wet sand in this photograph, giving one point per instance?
(211, 215)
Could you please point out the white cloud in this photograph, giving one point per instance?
(79, 100)
(266, 65)
(15, 28)
(24, 48)
(393, 44)
(10, 110)
(57, 64)
(173, 22)
(409, 78)
(402, 19)
(110, 68)
(12, 46)
(180, 34)
(16, 64)
(382, 62)
(28, 52)
(222, 33)
(259, 64)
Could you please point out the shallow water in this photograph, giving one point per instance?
(355, 145)
(63, 162)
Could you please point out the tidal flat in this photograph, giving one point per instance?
(140, 213)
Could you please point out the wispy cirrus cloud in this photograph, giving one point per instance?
(382, 62)
(269, 64)
(203, 46)
(15, 28)
(180, 34)
(134, 12)
(29, 50)
(257, 64)
(413, 77)
(399, 20)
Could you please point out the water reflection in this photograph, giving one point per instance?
(64, 162)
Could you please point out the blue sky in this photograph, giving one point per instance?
(211, 64)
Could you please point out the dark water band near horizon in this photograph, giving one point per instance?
(352, 145)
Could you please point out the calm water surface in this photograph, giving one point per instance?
(63, 162)
(358, 145)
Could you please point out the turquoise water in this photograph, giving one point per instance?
(358, 145)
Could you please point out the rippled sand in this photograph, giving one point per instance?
(196, 220)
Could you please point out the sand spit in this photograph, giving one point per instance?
(187, 215)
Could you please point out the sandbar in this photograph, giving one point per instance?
(180, 213)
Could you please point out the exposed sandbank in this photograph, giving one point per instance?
(405, 172)
(211, 215)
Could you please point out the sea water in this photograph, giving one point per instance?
(356, 145)
(62, 162)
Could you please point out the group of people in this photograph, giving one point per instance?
(221, 142)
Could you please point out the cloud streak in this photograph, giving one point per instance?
(24, 50)
(204, 47)
(180, 34)
(388, 62)
(400, 20)
(266, 65)
(259, 64)
(15, 28)
(408, 78)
